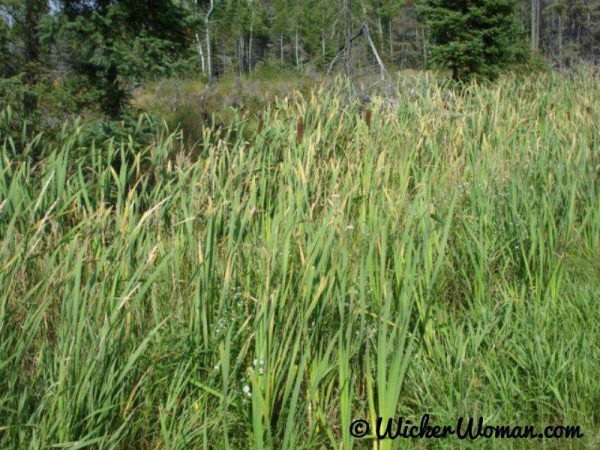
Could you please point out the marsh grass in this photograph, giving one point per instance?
(441, 258)
(191, 105)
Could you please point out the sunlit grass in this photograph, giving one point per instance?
(262, 293)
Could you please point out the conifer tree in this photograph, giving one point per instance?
(472, 38)
(5, 54)
(103, 37)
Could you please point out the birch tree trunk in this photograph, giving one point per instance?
(241, 54)
(380, 28)
(535, 24)
(199, 43)
(391, 40)
(560, 41)
(297, 50)
(250, 42)
(348, 46)
(424, 47)
(208, 52)
(200, 53)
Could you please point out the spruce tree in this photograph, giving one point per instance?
(103, 36)
(472, 38)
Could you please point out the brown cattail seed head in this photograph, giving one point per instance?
(300, 130)
(261, 124)
(368, 118)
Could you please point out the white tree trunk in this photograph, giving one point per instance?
(200, 53)
(560, 41)
(375, 53)
(199, 44)
(348, 46)
(535, 24)
(250, 42)
(391, 40)
(241, 50)
(207, 27)
(297, 50)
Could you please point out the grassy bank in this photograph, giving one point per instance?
(263, 292)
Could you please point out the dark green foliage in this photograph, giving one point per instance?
(87, 57)
(20, 46)
(114, 42)
(4, 48)
(472, 38)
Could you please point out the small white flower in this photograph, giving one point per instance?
(247, 391)
(259, 365)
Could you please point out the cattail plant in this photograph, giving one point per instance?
(261, 124)
(368, 117)
(265, 295)
(300, 130)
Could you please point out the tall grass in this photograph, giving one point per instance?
(264, 292)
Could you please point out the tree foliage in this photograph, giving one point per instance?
(111, 42)
(472, 38)
(100, 49)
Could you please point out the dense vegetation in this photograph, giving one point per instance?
(268, 286)
(472, 38)
(245, 223)
(95, 52)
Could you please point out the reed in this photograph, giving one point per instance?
(253, 294)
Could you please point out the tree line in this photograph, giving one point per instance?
(242, 33)
(100, 46)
